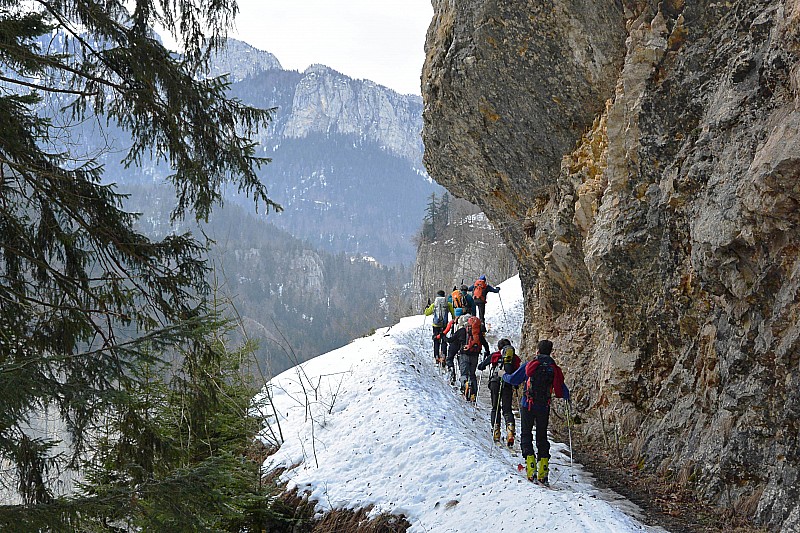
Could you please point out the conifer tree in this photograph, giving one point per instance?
(430, 221)
(87, 302)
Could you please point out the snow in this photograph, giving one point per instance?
(375, 423)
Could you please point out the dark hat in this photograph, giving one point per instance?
(440, 293)
(464, 288)
(545, 347)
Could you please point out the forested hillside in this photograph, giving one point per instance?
(295, 301)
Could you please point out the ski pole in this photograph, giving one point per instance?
(569, 432)
(496, 419)
(422, 331)
(503, 308)
(496, 413)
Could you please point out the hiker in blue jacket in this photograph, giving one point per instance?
(542, 377)
(479, 290)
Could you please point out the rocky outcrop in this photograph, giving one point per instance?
(326, 101)
(321, 100)
(238, 60)
(468, 247)
(641, 160)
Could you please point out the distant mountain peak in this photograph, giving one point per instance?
(241, 60)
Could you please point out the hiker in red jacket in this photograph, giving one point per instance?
(542, 377)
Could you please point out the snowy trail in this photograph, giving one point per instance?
(375, 423)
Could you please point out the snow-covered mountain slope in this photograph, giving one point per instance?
(375, 424)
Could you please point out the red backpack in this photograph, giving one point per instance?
(473, 335)
(479, 290)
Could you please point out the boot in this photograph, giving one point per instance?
(530, 467)
(496, 433)
(544, 469)
(510, 434)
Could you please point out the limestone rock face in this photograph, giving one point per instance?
(642, 160)
(239, 60)
(327, 101)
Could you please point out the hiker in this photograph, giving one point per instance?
(441, 311)
(479, 290)
(541, 376)
(507, 361)
(452, 348)
(463, 304)
(468, 339)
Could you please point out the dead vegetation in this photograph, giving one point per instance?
(300, 517)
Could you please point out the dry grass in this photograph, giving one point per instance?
(338, 521)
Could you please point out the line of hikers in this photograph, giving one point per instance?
(541, 376)
(455, 315)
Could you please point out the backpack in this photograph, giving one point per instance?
(440, 311)
(540, 384)
(479, 290)
(458, 299)
(473, 335)
(508, 354)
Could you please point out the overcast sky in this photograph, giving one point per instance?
(379, 40)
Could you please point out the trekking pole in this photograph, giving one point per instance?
(503, 308)
(496, 414)
(422, 331)
(569, 432)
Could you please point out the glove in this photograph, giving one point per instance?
(482, 365)
(498, 289)
(486, 353)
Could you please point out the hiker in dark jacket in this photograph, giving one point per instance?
(441, 311)
(468, 358)
(452, 349)
(542, 376)
(479, 290)
(503, 361)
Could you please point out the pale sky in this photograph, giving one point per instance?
(379, 40)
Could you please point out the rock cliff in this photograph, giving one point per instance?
(466, 247)
(641, 160)
(326, 101)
